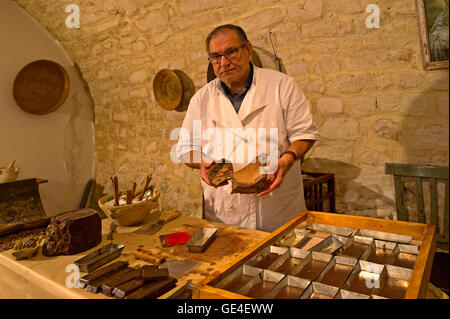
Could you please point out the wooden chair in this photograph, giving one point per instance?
(420, 174)
(432, 175)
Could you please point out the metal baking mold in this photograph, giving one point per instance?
(343, 231)
(294, 238)
(312, 265)
(398, 238)
(289, 287)
(330, 245)
(99, 257)
(289, 260)
(364, 277)
(201, 239)
(267, 257)
(356, 246)
(238, 278)
(380, 252)
(345, 294)
(405, 256)
(262, 284)
(337, 271)
(394, 283)
(316, 290)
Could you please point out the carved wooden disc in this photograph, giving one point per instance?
(41, 87)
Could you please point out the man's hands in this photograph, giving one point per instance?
(275, 180)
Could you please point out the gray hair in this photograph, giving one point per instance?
(239, 31)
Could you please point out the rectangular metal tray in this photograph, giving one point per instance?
(312, 265)
(330, 245)
(267, 257)
(289, 287)
(316, 290)
(337, 271)
(343, 231)
(238, 278)
(380, 252)
(405, 256)
(365, 277)
(394, 282)
(99, 257)
(356, 246)
(201, 239)
(398, 238)
(294, 238)
(261, 285)
(289, 260)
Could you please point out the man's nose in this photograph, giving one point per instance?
(224, 61)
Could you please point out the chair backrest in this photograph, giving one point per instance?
(420, 174)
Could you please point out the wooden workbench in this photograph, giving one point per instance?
(45, 277)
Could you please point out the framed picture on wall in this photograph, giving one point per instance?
(434, 32)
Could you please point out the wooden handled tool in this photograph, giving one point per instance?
(147, 255)
(154, 228)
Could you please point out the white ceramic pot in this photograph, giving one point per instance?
(8, 175)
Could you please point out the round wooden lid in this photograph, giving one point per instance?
(168, 89)
(41, 87)
(211, 75)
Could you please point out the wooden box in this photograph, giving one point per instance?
(422, 236)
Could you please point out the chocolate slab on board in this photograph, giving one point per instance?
(96, 285)
(153, 289)
(109, 285)
(127, 288)
(149, 274)
(102, 273)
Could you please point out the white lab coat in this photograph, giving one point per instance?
(273, 101)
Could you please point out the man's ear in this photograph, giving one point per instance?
(249, 48)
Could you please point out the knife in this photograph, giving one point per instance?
(154, 228)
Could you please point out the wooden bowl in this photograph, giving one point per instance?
(41, 87)
(132, 214)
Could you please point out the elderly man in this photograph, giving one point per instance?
(247, 111)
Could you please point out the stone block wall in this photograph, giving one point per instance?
(371, 98)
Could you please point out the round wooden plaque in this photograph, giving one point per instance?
(41, 87)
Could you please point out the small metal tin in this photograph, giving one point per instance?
(312, 265)
(394, 282)
(201, 239)
(238, 278)
(289, 260)
(262, 284)
(345, 294)
(337, 271)
(330, 245)
(380, 252)
(365, 277)
(316, 290)
(99, 257)
(343, 231)
(294, 238)
(398, 238)
(267, 257)
(356, 246)
(289, 287)
(405, 256)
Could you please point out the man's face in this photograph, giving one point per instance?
(232, 71)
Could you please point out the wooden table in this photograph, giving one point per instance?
(46, 277)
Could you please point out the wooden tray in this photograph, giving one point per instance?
(422, 234)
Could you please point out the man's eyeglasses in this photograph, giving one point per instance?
(229, 53)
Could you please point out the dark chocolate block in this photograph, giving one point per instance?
(102, 273)
(154, 289)
(149, 273)
(96, 285)
(127, 288)
(72, 232)
(109, 285)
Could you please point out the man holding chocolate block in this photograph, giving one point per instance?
(248, 111)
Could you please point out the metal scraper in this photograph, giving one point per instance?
(179, 268)
(154, 228)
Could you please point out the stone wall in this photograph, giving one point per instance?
(371, 98)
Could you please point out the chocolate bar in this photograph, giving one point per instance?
(96, 285)
(127, 288)
(149, 273)
(154, 289)
(101, 273)
(109, 285)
